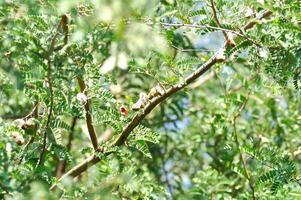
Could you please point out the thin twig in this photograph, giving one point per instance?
(71, 134)
(251, 23)
(223, 86)
(50, 110)
(239, 86)
(12, 116)
(204, 26)
(33, 111)
(17, 116)
(190, 50)
(89, 121)
(25, 149)
(242, 160)
(49, 81)
(227, 37)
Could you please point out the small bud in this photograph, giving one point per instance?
(152, 93)
(20, 141)
(136, 106)
(19, 123)
(249, 12)
(143, 99)
(81, 97)
(231, 40)
(160, 89)
(124, 111)
(30, 122)
(45, 84)
(15, 134)
(18, 138)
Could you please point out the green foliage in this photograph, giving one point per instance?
(197, 13)
(72, 68)
(241, 46)
(281, 169)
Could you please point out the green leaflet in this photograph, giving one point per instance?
(197, 13)
(241, 46)
(145, 134)
(141, 146)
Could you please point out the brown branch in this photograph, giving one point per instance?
(172, 90)
(62, 24)
(251, 23)
(50, 109)
(229, 39)
(93, 159)
(89, 121)
(71, 133)
(65, 27)
(81, 167)
(138, 118)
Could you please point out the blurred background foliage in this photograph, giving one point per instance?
(232, 134)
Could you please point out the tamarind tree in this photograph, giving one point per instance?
(150, 99)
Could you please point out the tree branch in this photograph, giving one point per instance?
(81, 167)
(89, 121)
(50, 109)
(251, 23)
(172, 90)
(34, 111)
(52, 48)
(140, 116)
(229, 39)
